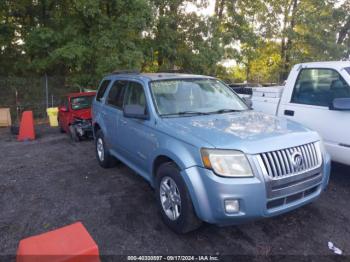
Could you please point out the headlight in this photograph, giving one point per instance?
(228, 163)
(321, 149)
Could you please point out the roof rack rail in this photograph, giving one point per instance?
(179, 71)
(118, 72)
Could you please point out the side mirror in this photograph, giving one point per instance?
(340, 104)
(135, 111)
(63, 109)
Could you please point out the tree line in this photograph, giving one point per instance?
(84, 39)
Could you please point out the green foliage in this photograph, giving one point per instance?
(84, 39)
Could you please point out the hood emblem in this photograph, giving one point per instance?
(297, 159)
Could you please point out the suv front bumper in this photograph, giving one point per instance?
(209, 192)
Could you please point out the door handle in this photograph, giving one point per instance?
(289, 112)
(124, 122)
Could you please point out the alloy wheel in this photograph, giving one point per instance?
(170, 198)
(100, 149)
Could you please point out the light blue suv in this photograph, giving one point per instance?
(208, 156)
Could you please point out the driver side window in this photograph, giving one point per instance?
(319, 87)
(135, 95)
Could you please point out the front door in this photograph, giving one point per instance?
(314, 91)
(136, 137)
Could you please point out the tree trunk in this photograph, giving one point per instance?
(287, 38)
(344, 31)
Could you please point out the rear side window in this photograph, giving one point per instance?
(116, 93)
(319, 87)
(102, 89)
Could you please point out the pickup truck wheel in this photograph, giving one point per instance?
(73, 134)
(174, 200)
(104, 158)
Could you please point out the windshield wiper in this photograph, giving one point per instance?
(186, 113)
(221, 111)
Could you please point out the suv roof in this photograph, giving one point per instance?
(157, 76)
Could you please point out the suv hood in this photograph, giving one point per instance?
(249, 131)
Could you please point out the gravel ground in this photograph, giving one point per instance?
(52, 182)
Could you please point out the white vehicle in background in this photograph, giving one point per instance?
(318, 96)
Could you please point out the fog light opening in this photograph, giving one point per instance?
(231, 206)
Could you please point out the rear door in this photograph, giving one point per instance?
(97, 105)
(314, 91)
(113, 110)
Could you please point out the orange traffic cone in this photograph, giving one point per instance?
(26, 129)
(70, 243)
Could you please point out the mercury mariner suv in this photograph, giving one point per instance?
(207, 155)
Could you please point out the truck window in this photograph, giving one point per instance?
(116, 93)
(135, 95)
(102, 89)
(319, 87)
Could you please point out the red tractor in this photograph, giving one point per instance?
(74, 115)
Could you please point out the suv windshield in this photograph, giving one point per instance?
(194, 96)
(81, 102)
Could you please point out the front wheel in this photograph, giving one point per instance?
(174, 200)
(74, 134)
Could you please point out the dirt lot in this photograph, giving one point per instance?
(52, 182)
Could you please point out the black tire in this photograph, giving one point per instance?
(73, 134)
(107, 161)
(60, 126)
(187, 220)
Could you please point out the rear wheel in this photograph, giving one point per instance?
(174, 200)
(60, 126)
(104, 158)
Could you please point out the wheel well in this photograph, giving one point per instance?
(158, 162)
(96, 128)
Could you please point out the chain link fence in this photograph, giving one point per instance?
(33, 93)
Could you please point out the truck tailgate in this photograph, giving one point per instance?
(266, 99)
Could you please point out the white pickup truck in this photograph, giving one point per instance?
(318, 96)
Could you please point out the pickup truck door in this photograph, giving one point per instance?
(308, 104)
(136, 137)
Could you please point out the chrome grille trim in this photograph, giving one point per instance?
(279, 164)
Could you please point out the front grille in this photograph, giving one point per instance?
(290, 161)
(290, 199)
